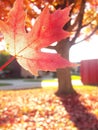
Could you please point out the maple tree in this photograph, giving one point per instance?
(84, 21)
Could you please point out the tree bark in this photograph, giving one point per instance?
(63, 75)
(64, 82)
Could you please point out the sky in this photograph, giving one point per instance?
(2, 45)
(85, 50)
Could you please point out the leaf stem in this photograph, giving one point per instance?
(7, 63)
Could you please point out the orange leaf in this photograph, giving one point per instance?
(26, 47)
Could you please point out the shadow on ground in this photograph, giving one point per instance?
(79, 114)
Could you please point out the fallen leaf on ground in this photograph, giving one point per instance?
(41, 109)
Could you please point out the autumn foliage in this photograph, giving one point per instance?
(26, 47)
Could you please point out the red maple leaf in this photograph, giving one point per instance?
(26, 47)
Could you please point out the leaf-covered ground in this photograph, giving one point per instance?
(40, 109)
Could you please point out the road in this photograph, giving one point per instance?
(18, 84)
(24, 84)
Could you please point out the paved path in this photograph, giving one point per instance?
(23, 84)
(19, 84)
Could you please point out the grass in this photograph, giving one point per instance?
(32, 80)
(4, 84)
(75, 77)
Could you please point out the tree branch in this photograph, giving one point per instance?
(51, 47)
(88, 35)
(81, 14)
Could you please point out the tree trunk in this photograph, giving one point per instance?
(63, 75)
(64, 82)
